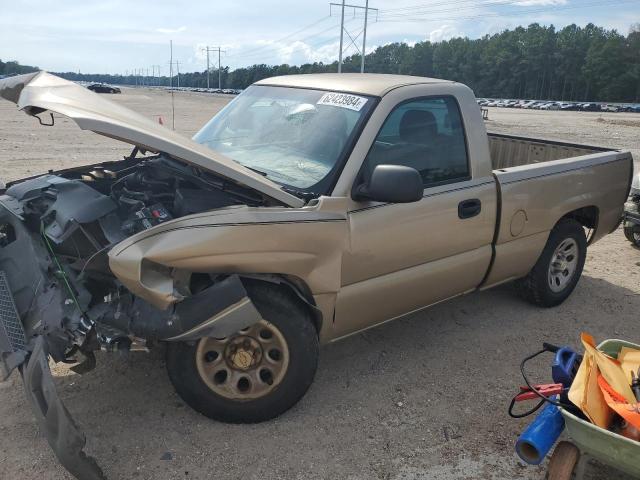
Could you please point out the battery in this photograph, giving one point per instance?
(146, 218)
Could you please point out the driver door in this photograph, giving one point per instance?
(403, 257)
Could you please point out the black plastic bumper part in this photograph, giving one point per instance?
(64, 437)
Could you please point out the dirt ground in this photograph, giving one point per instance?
(421, 398)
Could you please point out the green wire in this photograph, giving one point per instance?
(64, 274)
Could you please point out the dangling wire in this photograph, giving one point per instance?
(546, 348)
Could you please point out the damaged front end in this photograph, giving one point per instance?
(59, 297)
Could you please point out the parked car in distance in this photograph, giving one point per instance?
(535, 105)
(590, 107)
(556, 105)
(611, 108)
(103, 88)
(526, 103)
(245, 248)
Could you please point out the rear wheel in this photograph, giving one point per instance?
(258, 372)
(557, 271)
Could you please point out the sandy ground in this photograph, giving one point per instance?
(421, 398)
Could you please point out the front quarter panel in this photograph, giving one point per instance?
(306, 243)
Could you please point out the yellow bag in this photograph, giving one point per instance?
(593, 397)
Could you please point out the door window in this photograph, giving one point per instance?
(425, 134)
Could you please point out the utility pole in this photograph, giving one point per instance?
(173, 104)
(153, 73)
(219, 73)
(364, 35)
(171, 64)
(355, 8)
(209, 49)
(341, 38)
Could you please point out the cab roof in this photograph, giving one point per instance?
(363, 83)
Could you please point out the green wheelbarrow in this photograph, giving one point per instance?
(587, 439)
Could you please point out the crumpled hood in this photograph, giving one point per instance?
(36, 92)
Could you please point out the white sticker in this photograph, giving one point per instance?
(343, 100)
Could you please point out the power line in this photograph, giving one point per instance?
(461, 6)
(275, 51)
(300, 48)
(430, 6)
(501, 14)
(271, 47)
(288, 36)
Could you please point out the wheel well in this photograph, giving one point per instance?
(296, 289)
(585, 216)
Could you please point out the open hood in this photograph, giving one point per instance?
(40, 91)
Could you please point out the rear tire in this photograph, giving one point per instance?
(557, 271)
(256, 374)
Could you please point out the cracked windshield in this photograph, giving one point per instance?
(292, 136)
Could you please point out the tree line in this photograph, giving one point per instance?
(574, 63)
(14, 68)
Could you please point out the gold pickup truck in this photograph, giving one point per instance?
(310, 208)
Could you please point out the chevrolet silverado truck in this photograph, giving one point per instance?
(310, 208)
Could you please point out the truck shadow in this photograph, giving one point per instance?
(416, 394)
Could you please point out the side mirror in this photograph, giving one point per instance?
(392, 184)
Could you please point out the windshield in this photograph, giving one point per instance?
(293, 136)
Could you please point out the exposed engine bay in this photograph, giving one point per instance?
(62, 285)
(59, 297)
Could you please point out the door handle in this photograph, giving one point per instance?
(469, 208)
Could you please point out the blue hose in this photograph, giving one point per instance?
(536, 441)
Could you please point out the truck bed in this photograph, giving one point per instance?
(538, 182)
(513, 151)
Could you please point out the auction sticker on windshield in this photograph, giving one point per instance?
(343, 100)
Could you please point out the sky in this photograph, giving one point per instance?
(118, 36)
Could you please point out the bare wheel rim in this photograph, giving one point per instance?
(563, 265)
(246, 365)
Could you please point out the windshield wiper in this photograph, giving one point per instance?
(259, 172)
(306, 196)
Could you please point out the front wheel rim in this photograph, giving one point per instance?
(247, 365)
(563, 265)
